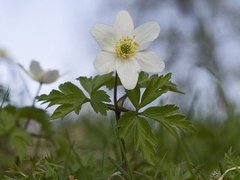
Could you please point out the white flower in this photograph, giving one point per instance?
(42, 76)
(124, 49)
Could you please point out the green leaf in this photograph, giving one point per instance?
(119, 168)
(111, 83)
(86, 83)
(19, 138)
(156, 86)
(126, 123)
(35, 114)
(93, 84)
(62, 110)
(98, 100)
(143, 79)
(69, 98)
(52, 98)
(7, 121)
(134, 96)
(144, 139)
(69, 88)
(99, 81)
(154, 89)
(169, 117)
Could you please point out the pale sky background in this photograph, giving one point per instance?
(55, 32)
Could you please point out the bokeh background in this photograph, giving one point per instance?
(199, 42)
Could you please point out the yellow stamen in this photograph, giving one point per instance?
(126, 47)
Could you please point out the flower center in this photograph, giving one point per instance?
(126, 47)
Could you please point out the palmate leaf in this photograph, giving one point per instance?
(134, 96)
(169, 117)
(133, 123)
(93, 84)
(156, 86)
(68, 98)
(143, 137)
(153, 86)
(97, 97)
(143, 79)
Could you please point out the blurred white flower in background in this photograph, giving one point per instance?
(37, 73)
(11, 82)
(124, 49)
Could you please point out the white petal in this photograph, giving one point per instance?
(105, 62)
(123, 24)
(36, 69)
(146, 33)
(128, 71)
(49, 76)
(105, 36)
(149, 61)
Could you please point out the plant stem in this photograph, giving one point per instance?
(33, 104)
(38, 90)
(118, 115)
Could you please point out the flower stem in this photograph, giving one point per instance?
(118, 115)
(33, 104)
(38, 90)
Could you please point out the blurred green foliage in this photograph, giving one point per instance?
(84, 149)
(87, 148)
